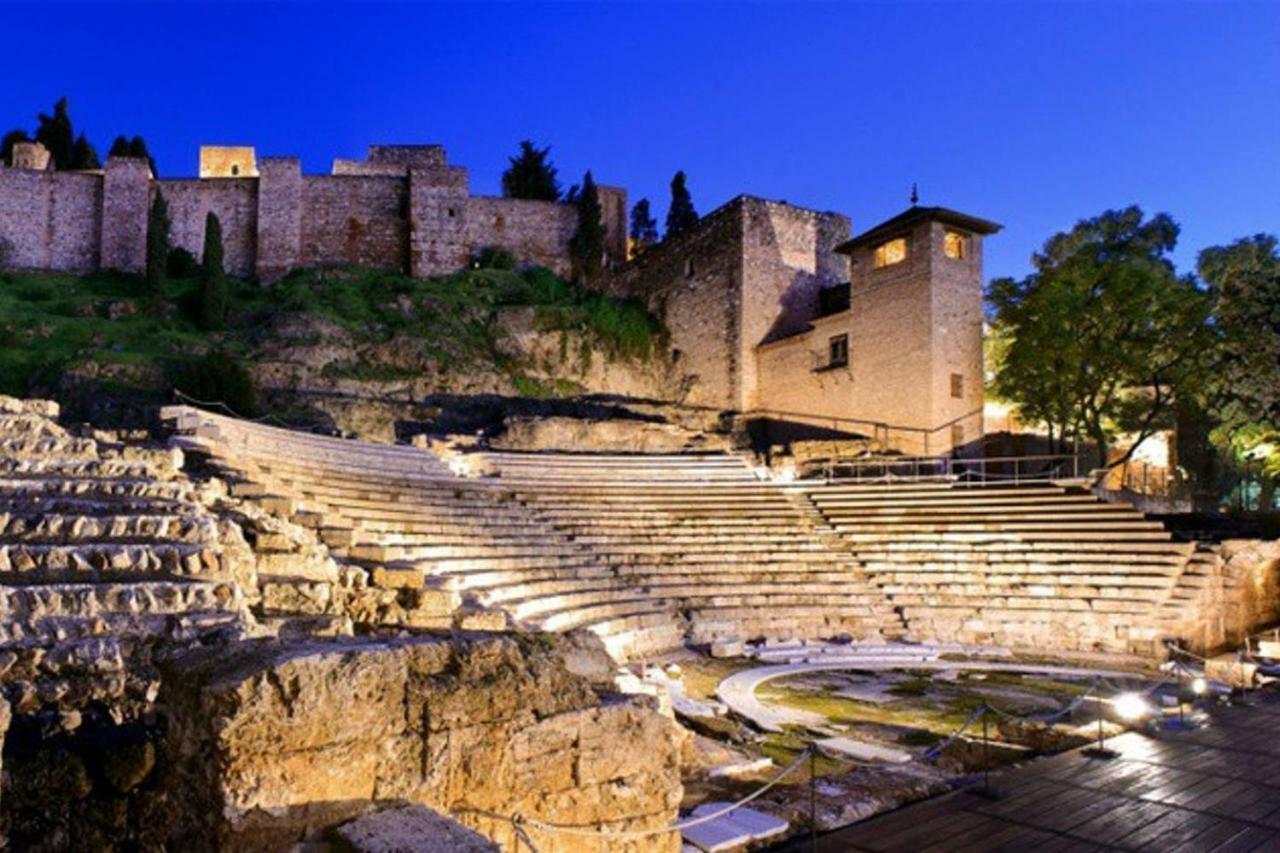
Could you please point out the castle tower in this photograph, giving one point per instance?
(915, 324)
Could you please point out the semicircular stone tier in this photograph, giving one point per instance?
(652, 551)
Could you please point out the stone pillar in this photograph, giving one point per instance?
(279, 217)
(437, 221)
(126, 196)
(833, 229)
(614, 214)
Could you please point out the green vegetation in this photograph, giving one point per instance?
(587, 244)
(530, 175)
(158, 244)
(644, 228)
(212, 311)
(116, 328)
(681, 217)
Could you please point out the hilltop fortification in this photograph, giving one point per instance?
(404, 207)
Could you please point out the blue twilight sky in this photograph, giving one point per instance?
(1032, 114)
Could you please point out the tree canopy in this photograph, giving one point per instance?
(213, 279)
(644, 228)
(1104, 334)
(158, 245)
(587, 244)
(123, 146)
(57, 133)
(531, 175)
(1244, 395)
(681, 216)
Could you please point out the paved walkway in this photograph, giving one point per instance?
(1210, 789)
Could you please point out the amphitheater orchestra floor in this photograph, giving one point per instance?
(1214, 788)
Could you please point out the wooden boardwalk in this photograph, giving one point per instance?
(1215, 788)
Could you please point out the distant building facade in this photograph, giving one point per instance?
(777, 312)
(402, 208)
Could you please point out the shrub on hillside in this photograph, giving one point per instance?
(182, 264)
(493, 258)
(217, 378)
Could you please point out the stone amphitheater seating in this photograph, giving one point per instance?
(103, 547)
(1031, 566)
(653, 550)
(646, 551)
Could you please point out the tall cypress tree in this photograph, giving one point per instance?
(55, 133)
(158, 245)
(84, 155)
(531, 175)
(644, 228)
(213, 279)
(587, 245)
(681, 217)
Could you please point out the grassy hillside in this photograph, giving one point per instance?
(58, 332)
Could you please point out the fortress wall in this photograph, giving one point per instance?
(438, 199)
(75, 221)
(787, 256)
(348, 219)
(233, 200)
(126, 193)
(279, 238)
(536, 232)
(694, 283)
(24, 215)
(957, 334)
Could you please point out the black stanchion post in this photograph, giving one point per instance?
(986, 756)
(813, 798)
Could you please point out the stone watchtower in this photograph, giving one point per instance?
(915, 324)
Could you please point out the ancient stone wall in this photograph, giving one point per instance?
(693, 283)
(357, 220)
(270, 743)
(537, 231)
(51, 220)
(279, 240)
(126, 193)
(402, 208)
(234, 202)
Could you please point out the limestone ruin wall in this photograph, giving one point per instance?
(402, 209)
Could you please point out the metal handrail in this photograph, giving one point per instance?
(964, 471)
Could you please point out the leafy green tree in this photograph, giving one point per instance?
(7, 143)
(531, 175)
(213, 279)
(1103, 335)
(587, 243)
(644, 228)
(158, 245)
(1244, 285)
(681, 217)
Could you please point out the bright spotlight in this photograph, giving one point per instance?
(1199, 686)
(1131, 706)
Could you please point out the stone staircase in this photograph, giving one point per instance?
(699, 549)
(1032, 566)
(105, 549)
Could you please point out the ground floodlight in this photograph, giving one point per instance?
(1199, 686)
(1131, 706)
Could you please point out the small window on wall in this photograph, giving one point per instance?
(957, 385)
(891, 252)
(688, 268)
(838, 351)
(957, 435)
(955, 245)
(235, 170)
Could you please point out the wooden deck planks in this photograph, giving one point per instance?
(1211, 789)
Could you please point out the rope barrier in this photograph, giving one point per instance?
(220, 405)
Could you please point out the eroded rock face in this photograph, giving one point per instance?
(410, 828)
(603, 436)
(271, 742)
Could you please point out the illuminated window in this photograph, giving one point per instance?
(891, 252)
(955, 245)
(957, 385)
(838, 351)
